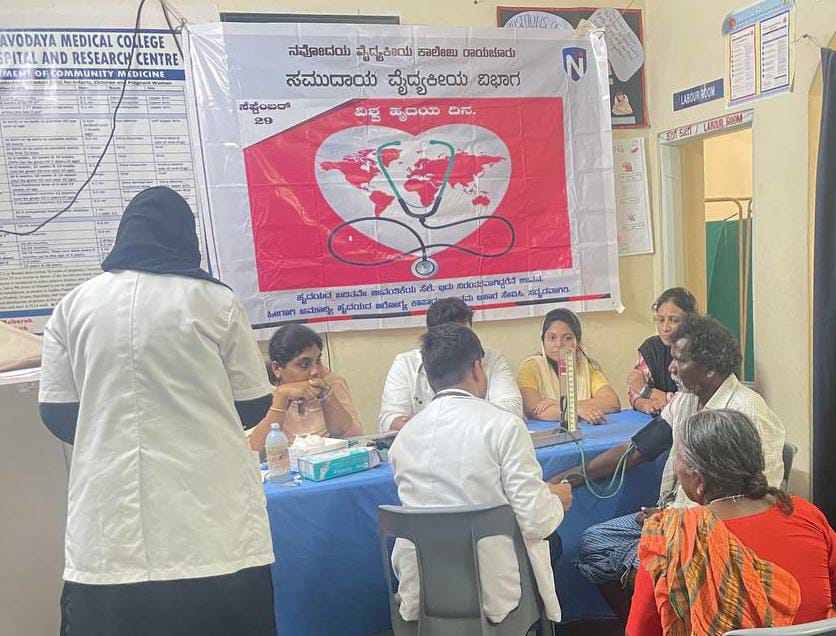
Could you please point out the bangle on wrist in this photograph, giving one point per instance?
(646, 392)
(277, 410)
(326, 395)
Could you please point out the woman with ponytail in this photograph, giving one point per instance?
(538, 377)
(308, 398)
(748, 556)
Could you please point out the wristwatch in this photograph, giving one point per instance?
(646, 392)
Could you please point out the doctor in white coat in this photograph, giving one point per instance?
(407, 391)
(152, 372)
(463, 450)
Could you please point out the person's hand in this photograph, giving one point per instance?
(298, 391)
(559, 477)
(542, 405)
(651, 406)
(646, 513)
(562, 492)
(399, 422)
(636, 381)
(590, 413)
(645, 406)
(658, 403)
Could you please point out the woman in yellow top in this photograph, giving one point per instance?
(308, 398)
(538, 376)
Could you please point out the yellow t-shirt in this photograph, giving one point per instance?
(528, 374)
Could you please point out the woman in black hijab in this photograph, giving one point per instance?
(650, 385)
(151, 371)
(157, 234)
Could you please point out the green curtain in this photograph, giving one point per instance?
(723, 283)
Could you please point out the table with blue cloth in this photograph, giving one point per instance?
(328, 575)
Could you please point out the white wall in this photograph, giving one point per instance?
(727, 171)
(33, 509)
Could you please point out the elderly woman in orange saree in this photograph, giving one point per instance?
(726, 564)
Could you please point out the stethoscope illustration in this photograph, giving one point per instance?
(424, 266)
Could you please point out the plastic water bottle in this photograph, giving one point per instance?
(278, 460)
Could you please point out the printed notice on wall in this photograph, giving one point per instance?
(759, 51)
(742, 68)
(775, 53)
(58, 92)
(632, 203)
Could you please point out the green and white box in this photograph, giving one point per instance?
(324, 466)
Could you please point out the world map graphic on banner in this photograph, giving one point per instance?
(356, 174)
(424, 175)
(444, 189)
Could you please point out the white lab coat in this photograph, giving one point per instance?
(162, 485)
(461, 450)
(407, 391)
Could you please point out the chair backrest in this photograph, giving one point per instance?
(788, 455)
(445, 541)
(808, 629)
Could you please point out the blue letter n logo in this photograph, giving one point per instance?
(574, 62)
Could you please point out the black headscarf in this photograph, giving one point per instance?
(657, 355)
(157, 234)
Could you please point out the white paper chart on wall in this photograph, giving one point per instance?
(58, 92)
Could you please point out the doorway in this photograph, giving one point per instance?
(707, 221)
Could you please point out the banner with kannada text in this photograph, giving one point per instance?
(356, 173)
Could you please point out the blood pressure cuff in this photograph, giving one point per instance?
(653, 439)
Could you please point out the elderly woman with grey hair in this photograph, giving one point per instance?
(748, 556)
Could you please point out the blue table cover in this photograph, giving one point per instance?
(328, 575)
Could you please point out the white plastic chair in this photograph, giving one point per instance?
(450, 598)
(827, 626)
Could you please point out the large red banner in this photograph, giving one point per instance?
(395, 190)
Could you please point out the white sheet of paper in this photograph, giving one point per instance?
(624, 49)
(632, 203)
(775, 53)
(742, 59)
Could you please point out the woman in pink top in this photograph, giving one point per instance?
(308, 398)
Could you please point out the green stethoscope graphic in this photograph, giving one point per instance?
(405, 205)
(424, 266)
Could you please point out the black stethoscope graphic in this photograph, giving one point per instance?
(424, 266)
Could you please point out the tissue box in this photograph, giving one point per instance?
(324, 466)
(325, 445)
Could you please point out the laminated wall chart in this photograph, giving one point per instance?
(58, 92)
(759, 51)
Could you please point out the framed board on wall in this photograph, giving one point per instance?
(82, 131)
(624, 36)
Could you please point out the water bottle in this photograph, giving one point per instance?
(278, 460)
